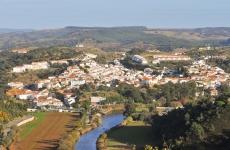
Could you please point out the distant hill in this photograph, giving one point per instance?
(7, 30)
(115, 38)
(200, 34)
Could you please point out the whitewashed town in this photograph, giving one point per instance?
(105, 74)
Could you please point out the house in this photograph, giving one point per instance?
(214, 92)
(155, 61)
(139, 59)
(149, 80)
(182, 80)
(16, 84)
(96, 100)
(90, 55)
(59, 62)
(42, 101)
(33, 66)
(164, 57)
(27, 95)
(19, 69)
(80, 45)
(148, 71)
(76, 82)
(69, 100)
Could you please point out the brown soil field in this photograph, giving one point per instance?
(46, 135)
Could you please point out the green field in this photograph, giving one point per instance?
(29, 126)
(137, 133)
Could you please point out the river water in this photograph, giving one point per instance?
(88, 140)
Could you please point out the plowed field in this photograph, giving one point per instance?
(46, 135)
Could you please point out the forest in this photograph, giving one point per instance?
(201, 126)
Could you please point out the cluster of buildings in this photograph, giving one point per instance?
(203, 75)
(89, 72)
(208, 76)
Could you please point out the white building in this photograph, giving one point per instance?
(33, 66)
(69, 100)
(164, 57)
(139, 59)
(15, 84)
(80, 45)
(18, 69)
(96, 100)
(76, 82)
(42, 101)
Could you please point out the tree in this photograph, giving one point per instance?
(86, 105)
(197, 130)
(152, 108)
(129, 108)
(161, 101)
(148, 147)
(60, 96)
(212, 127)
(187, 118)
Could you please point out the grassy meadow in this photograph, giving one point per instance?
(134, 133)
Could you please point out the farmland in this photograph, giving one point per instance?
(45, 132)
(30, 126)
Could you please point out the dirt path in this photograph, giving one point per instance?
(47, 134)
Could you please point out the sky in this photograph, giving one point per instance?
(52, 14)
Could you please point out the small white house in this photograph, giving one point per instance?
(96, 100)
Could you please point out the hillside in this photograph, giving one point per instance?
(118, 38)
(205, 126)
(198, 34)
(7, 30)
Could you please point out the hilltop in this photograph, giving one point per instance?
(8, 30)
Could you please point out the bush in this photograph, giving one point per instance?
(129, 119)
(104, 135)
(220, 103)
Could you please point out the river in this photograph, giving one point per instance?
(88, 140)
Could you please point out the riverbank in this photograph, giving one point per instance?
(71, 138)
(100, 144)
(88, 140)
(119, 108)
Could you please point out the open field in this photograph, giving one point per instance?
(134, 133)
(46, 134)
(30, 126)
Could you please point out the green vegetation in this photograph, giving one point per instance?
(171, 92)
(139, 110)
(39, 116)
(130, 64)
(135, 133)
(7, 140)
(223, 64)
(203, 126)
(11, 109)
(71, 36)
(196, 53)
